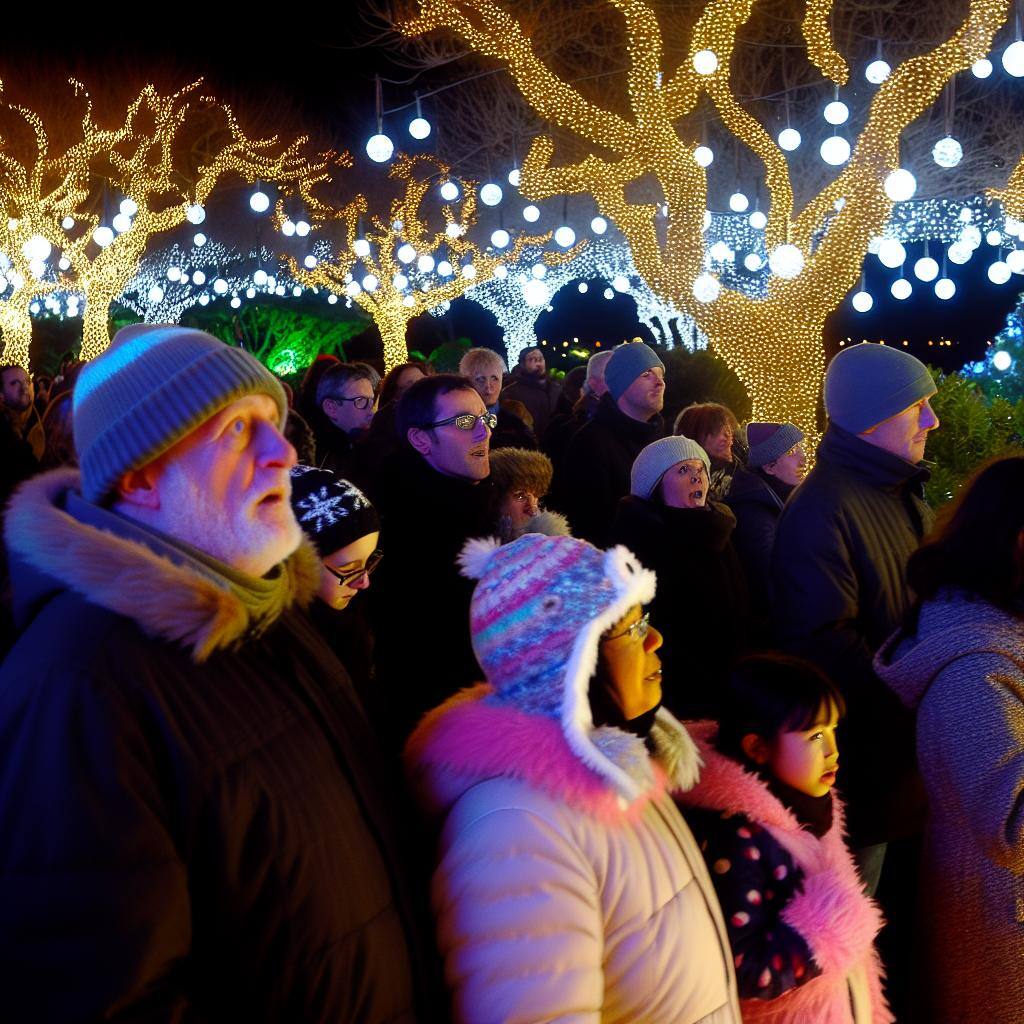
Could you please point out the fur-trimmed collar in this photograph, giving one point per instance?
(468, 740)
(167, 600)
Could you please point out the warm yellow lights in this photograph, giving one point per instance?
(405, 267)
(774, 344)
(146, 161)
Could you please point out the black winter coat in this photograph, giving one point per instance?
(419, 601)
(597, 465)
(539, 395)
(701, 606)
(562, 429)
(184, 839)
(839, 578)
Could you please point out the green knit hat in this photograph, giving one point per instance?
(154, 385)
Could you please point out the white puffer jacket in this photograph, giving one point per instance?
(557, 899)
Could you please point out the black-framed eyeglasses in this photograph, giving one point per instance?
(350, 576)
(360, 401)
(465, 421)
(637, 631)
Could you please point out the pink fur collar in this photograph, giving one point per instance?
(467, 740)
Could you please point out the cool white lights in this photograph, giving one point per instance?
(500, 238)
(891, 252)
(156, 294)
(926, 269)
(900, 185)
(753, 262)
(599, 225)
(947, 152)
(565, 237)
(994, 237)
(103, 236)
(982, 68)
(259, 202)
(490, 194)
(1002, 361)
(705, 62)
(877, 72)
(738, 202)
(531, 213)
(757, 220)
(620, 283)
(786, 261)
(706, 288)
(901, 289)
(945, 289)
(195, 214)
(1013, 59)
(129, 207)
(836, 112)
(406, 253)
(789, 139)
(998, 272)
(835, 150)
(862, 301)
(425, 263)
(419, 128)
(361, 247)
(703, 156)
(536, 293)
(1015, 260)
(449, 191)
(379, 149)
(37, 248)
(260, 278)
(515, 177)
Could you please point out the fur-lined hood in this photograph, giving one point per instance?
(468, 740)
(52, 551)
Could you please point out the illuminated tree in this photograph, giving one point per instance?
(405, 264)
(165, 159)
(774, 343)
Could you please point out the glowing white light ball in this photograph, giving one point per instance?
(757, 220)
(400, 281)
(891, 252)
(721, 253)
(998, 272)
(103, 236)
(901, 289)
(565, 236)
(599, 225)
(538, 270)
(835, 150)
(371, 283)
(236, 302)
(926, 269)
(1015, 260)
(877, 72)
(531, 213)
(862, 301)
(703, 155)
(199, 277)
(199, 239)
(37, 268)
(174, 274)
(259, 278)
(1002, 361)
(514, 177)
(982, 68)
(583, 287)
(900, 185)
(352, 289)
(947, 152)
(406, 253)
(310, 262)
(536, 293)
(250, 293)
(789, 139)
(445, 269)
(469, 271)
(129, 207)
(64, 263)
(970, 237)
(453, 230)
(786, 261)
(37, 248)
(67, 223)
(220, 286)
(500, 271)
(449, 191)
(259, 202)
(195, 214)
(753, 262)
(361, 247)
(706, 220)
(379, 148)
(288, 228)
(500, 238)
(301, 228)
(705, 62)
(706, 288)
(490, 194)
(836, 112)
(609, 294)
(419, 127)
(738, 202)
(620, 283)
(1013, 59)
(425, 264)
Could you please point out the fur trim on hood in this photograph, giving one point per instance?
(467, 740)
(167, 601)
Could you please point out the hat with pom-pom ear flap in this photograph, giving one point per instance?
(537, 617)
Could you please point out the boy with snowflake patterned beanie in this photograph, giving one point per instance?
(771, 830)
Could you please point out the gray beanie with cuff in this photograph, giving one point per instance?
(658, 458)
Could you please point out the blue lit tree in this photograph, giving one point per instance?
(1001, 373)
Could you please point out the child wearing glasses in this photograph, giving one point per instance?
(343, 526)
(772, 833)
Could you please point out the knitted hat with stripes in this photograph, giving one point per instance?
(537, 617)
(153, 386)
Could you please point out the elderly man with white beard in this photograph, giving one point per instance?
(191, 818)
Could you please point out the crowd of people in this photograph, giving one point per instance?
(482, 696)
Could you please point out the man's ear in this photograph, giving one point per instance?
(331, 412)
(756, 748)
(140, 487)
(420, 440)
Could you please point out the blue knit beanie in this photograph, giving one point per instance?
(866, 384)
(626, 364)
(658, 458)
(153, 386)
(767, 442)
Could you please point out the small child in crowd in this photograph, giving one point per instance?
(801, 927)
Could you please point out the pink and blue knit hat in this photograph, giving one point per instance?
(537, 616)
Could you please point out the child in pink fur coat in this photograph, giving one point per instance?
(802, 929)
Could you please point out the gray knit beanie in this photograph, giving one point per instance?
(153, 386)
(770, 441)
(867, 383)
(626, 364)
(658, 458)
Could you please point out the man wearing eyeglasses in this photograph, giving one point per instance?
(193, 822)
(433, 495)
(345, 399)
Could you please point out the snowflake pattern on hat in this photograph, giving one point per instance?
(322, 509)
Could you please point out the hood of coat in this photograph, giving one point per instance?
(749, 487)
(469, 739)
(950, 627)
(52, 551)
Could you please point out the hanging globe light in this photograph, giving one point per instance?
(1002, 360)
(195, 214)
(1015, 260)
(565, 236)
(37, 248)
(971, 236)
(361, 247)
(947, 152)
(582, 287)
(721, 253)
(901, 289)
(1013, 59)
(220, 286)
(900, 185)
(531, 213)
(998, 272)
(982, 68)
(757, 220)
(703, 155)
(705, 62)
(379, 148)
(400, 281)
(449, 191)
(514, 177)
(103, 236)
(406, 253)
(836, 112)
(891, 253)
(490, 194)
(288, 228)
(835, 150)
(419, 128)
(786, 261)
(945, 289)
(371, 283)
(259, 202)
(877, 72)
(538, 270)
(260, 278)
(156, 294)
(599, 225)
(500, 238)
(129, 207)
(620, 283)
(753, 262)
(445, 269)
(926, 269)
(738, 202)
(425, 264)
(706, 288)
(789, 139)
(862, 301)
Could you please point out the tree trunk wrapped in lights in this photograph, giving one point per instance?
(441, 264)
(774, 343)
(57, 201)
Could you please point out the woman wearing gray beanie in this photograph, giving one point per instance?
(701, 606)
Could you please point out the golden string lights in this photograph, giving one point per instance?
(773, 342)
(55, 203)
(404, 265)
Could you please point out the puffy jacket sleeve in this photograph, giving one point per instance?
(519, 921)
